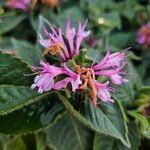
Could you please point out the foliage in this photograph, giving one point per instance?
(63, 120)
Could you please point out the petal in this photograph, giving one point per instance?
(45, 43)
(61, 84)
(117, 79)
(75, 82)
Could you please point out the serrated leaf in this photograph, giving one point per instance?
(102, 142)
(15, 97)
(68, 134)
(12, 71)
(107, 119)
(9, 21)
(32, 117)
(27, 52)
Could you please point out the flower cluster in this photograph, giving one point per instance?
(67, 47)
(79, 77)
(19, 4)
(143, 36)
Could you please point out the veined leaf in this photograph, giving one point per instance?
(68, 134)
(32, 117)
(12, 71)
(15, 97)
(102, 142)
(9, 21)
(108, 118)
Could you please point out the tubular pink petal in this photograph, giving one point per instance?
(117, 79)
(61, 84)
(75, 82)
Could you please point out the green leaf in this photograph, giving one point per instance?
(107, 118)
(4, 139)
(128, 90)
(144, 90)
(9, 21)
(6, 44)
(141, 119)
(16, 144)
(12, 71)
(111, 19)
(32, 117)
(15, 97)
(74, 13)
(27, 52)
(41, 140)
(102, 142)
(120, 40)
(68, 134)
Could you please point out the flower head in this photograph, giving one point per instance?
(143, 36)
(87, 79)
(19, 4)
(82, 78)
(65, 45)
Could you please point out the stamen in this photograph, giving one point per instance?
(54, 50)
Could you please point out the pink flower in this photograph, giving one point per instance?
(20, 4)
(45, 78)
(72, 78)
(56, 43)
(143, 36)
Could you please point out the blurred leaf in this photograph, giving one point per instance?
(41, 140)
(4, 139)
(9, 21)
(128, 90)
(75, 14)
(111, 20)
(2, 2)
(144, 122)
(144, 90)
(32, 117)
(68, 134)
(12, 71)
(27, 52)
(120, 40)
(16, 144)
(6, 44)
(106, 119)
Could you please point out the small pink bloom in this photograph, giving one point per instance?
(143, 36)
(20, 4)
(103, 91)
